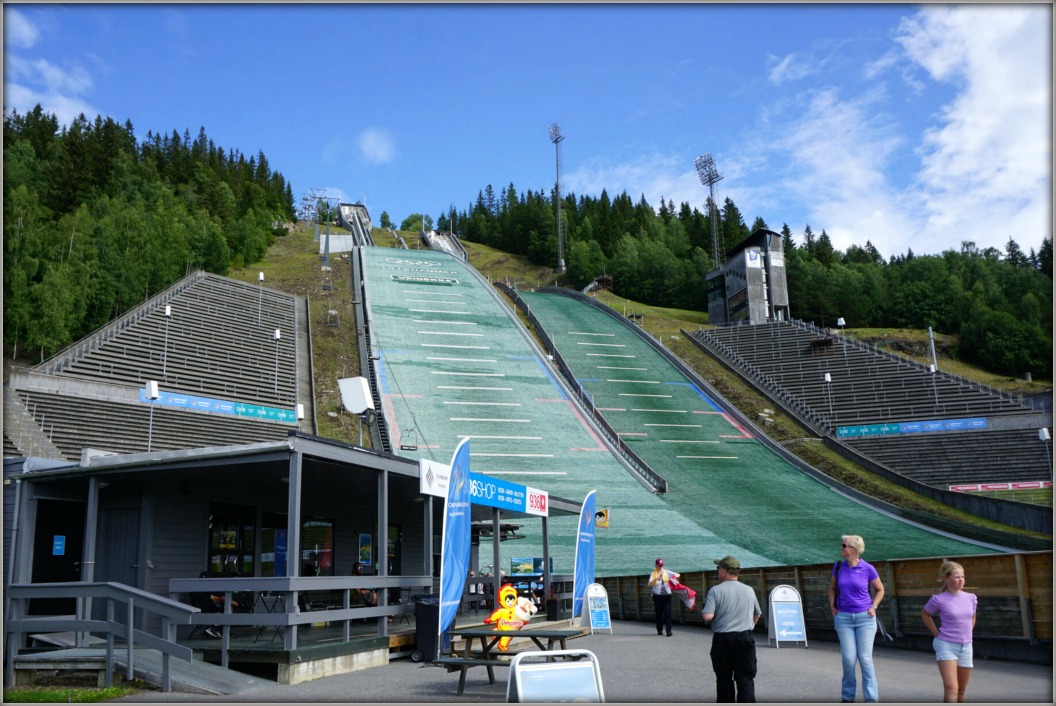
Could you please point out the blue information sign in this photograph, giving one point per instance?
(598, 608)
(58, 545)
(786, 616)
(497, 492)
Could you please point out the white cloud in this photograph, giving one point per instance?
(57, 90)
(985, 167)
(657, 176)
(980, 171)
(19, 32)
(376, 145)
(833, 161)
(790, 68)
(52, 78)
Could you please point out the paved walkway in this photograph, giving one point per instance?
(637, 666)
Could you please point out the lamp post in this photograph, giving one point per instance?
(556, 137)
(152, 394)
(840, 322)
(1043, 434)
(165, 350)
(709, 176)
(260, 295)
(277, 335)
(934, 388)
(828, 385)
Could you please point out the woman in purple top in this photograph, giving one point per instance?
(854, 616)
(953, 638)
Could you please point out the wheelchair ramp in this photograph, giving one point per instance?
(195, 677)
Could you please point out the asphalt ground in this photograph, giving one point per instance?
(638, 666)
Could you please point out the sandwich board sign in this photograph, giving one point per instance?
(598, 608)
(786, 616)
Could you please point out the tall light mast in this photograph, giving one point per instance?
(709, 175)
(556, 137)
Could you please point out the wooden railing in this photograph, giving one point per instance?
(18, 623)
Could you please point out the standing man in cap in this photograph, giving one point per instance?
(660, 581)
(733, 611)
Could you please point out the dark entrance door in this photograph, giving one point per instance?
(59, 538)
(119, 559)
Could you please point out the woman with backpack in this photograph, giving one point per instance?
(854, 616)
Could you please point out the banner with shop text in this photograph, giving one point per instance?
(584, 566)
(454, 551)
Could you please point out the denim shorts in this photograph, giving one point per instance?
(951, 650)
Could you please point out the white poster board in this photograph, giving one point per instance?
(596, 608)
(563, 676)
(786, 616)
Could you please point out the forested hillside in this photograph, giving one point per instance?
(95, 222)
(999, 303)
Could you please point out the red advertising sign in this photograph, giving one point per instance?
(537, 502)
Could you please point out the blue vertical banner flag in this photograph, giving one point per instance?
(584, 567)
(454, 551)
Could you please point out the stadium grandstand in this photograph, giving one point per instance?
(230, 361)
(930, 426)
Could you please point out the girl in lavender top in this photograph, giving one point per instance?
(953, 638)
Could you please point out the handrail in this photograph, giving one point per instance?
(289, 588)
(73, 352)
(903, 360)
(17, 623)
(643, 469)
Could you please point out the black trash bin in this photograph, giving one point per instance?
(426, 625)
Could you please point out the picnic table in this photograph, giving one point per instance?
(487, 656)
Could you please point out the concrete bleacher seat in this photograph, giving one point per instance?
(73, 423)
(952, 458)
(211, 346)
(869, 386)
(872, 387)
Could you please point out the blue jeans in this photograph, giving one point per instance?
(857, 632)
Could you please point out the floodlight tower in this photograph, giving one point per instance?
(709, 175)
(556, 137)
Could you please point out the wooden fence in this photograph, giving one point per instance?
(1015, 599)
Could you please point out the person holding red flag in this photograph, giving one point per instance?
(660, 580)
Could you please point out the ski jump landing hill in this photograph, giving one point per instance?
(452, 361)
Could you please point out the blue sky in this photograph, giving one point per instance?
(912, 126)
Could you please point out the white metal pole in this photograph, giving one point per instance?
(165, 350)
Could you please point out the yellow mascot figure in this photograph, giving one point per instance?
(505, 616)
